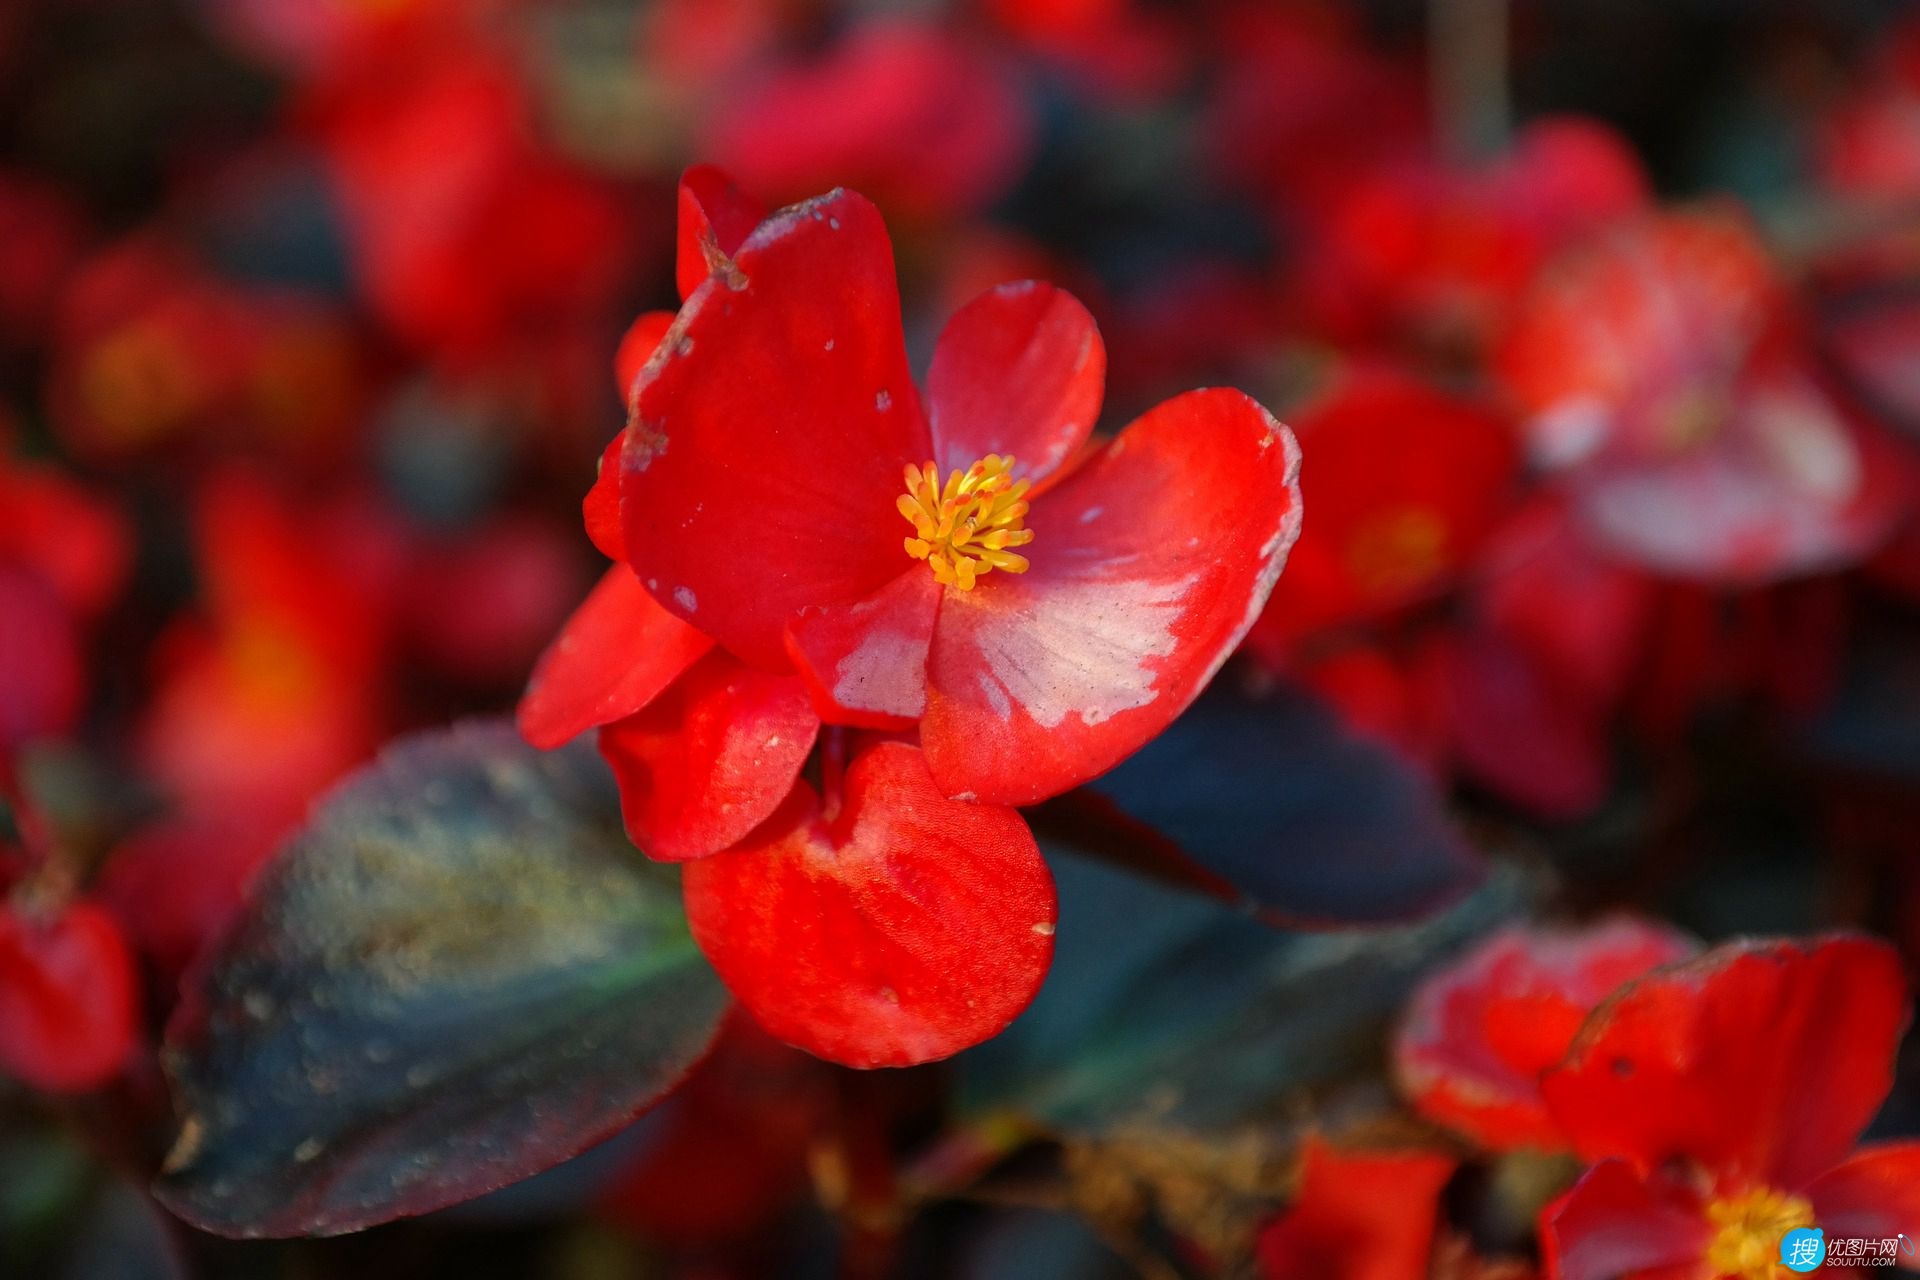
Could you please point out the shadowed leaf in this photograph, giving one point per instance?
(459, 974)
(1175, 1007)
(1271, 802)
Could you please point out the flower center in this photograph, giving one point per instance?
(1397, 550)
(963, 528)
(1750, 1228)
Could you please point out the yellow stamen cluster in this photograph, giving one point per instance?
(962, 529)
(1750, 1228)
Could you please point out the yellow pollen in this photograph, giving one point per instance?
(964, 528)
(1750, 1227)
(1398, 549)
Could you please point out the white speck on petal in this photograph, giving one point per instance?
(883, 401)
(684, 597)
(829, 344)
(1091, 514)
(1044, 929)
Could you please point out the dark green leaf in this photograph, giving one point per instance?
(1270, 801)
(1174, 1004)
(458, 975)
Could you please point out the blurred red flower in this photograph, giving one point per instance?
(919, 118)
(1441, 254)
(1723, 1100)
(1407, 483)
(64, 556)
(275, 688)
(1372, 1215)
(1022, 684)
(1478, 1034)
(1662, 369)
(69, 1005)
(151, 350)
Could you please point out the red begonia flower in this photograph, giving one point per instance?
(64, 556)
(898, 930)
(74, 542)
(616, 654)
(1868, 147)
(273, 689)
(637, 346)
(144, 348)
(1479, 1033)
(1359, 1215)
(1509, 727)
(43, 679)
(176, 886)
(473, 242)
(727, 1152)
(1306, 105)
(41, 233)
(1406, 484)
(1422, 248)
(928, 123)
(1724, 1098)
(68, 1003)
(762, 483)
(479, 604)
(695, 768)
(711, 758)
(1661, 368)
(716, 217)
(1581, 618)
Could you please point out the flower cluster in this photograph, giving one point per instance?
(764, 608)
(1713, 1100)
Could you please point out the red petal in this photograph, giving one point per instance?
(1513, 731)
(79, 545)
(1406, 484)
(1359, 1216)
(43, 678)
(1613, 1225)
(1149, 564)
(637, 346)
(67, 1003)
(911, 112)
(1735, 1060)
(176, 886)
(866, 663)
(1874, 1195)
(767, 442)
(716, 217)
(709, 760)
(1479, 1032)
(903, 929)
(600, 509)
(1019, 370)
(614, 656)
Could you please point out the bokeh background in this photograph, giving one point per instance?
(1599, 321)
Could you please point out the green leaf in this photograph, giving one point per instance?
(1168, 1004)
(459, 974)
